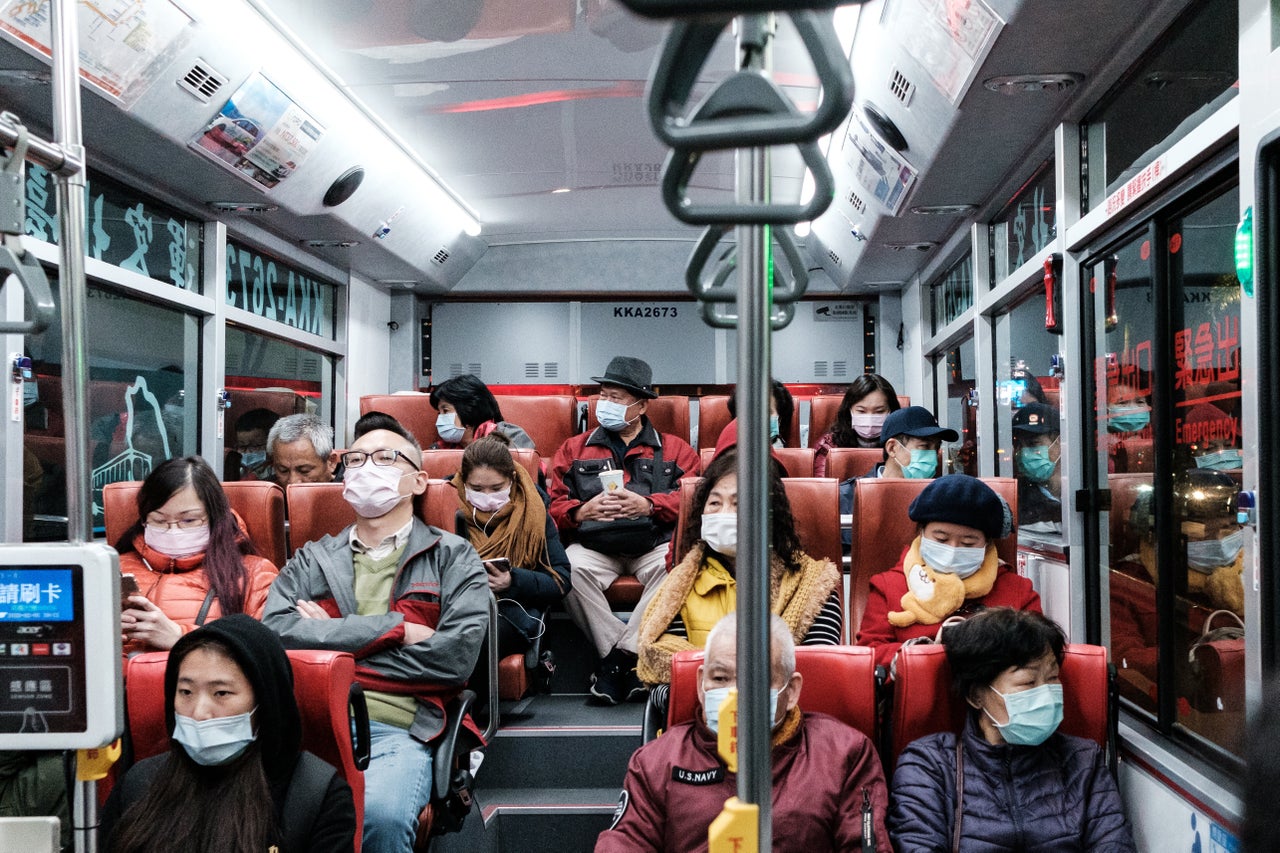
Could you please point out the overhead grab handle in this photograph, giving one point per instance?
(719, 316)
(681, 9)
(747, 109)
(678, 170)
(16, 261)
(789, 284)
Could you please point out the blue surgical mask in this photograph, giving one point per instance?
(1210, 554)
(714, 698)
(447, 428)
(773, 427)
(1227, 459)
(30, 392)
(215, 741)
(253, 459)
(961, 562)
(1127, 418)
(612, 416)
(923, 465)
(1036, 464)
(1033, 714)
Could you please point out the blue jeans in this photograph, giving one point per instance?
(396, 787)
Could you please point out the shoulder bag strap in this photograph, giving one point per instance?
(204, 608)
(959, 816)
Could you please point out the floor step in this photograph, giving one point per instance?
(556, 820)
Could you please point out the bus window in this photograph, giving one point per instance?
(266, 374)
(959, 412)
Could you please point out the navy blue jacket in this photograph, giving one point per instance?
(1052, 798)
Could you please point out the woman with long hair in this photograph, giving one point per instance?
(503, 514)
(862, 411)
(235, 778)
(468, 411)
(702, 587)
(188, 556)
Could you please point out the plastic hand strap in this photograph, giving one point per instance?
(746, 110)
(680, 8)
(789, 284)
(12, 199)
(717, 316)
(677, 172)
(27, 270)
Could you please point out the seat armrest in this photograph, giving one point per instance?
(448, 748)
(361, 745)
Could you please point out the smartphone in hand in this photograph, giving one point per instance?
(128, 587)
(497, 566)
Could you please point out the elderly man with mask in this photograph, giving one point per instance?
(825, 773)
(615, 495)
(409, 601)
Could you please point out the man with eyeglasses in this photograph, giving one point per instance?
(409, 601)
(615, 494)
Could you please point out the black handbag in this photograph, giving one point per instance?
(627, 537)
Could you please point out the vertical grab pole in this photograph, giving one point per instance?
(754, 389)
(68, 135)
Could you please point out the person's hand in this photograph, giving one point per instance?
(628, 504)
(600, 508)
(143, 622)
(499, 574)
(415, 633)
(311, 610)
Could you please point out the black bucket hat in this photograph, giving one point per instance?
(631, 373)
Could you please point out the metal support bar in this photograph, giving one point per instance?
(50, 155)
(755, 776)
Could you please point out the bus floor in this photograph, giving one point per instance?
(550, 777)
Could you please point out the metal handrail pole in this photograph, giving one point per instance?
(50, 155)
(754, 387)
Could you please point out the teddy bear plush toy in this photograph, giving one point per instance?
(931, 597)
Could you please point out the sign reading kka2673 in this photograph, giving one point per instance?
(276, 291)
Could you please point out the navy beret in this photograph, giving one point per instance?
(961, 499)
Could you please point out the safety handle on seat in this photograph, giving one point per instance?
(358, 708)
(745, 110)
(27, 270)
(680, 8)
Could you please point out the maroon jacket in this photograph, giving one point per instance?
(885, 594)
(677, 784)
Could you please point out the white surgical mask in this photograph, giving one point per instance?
(447, 428)
(489, 501)
(714, 698)
(961, 562)
(1209, 554)
(720, 532)
(217, 740)
(867, 426)
(176, 543)
(612, 416)
(372, 490)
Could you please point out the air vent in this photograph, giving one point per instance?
(1017, 84)
(856, 202)
(440, 257)
(839, 368)
(835, 259)
(551, 370)
(903, 247)
(531, 370)
(455, 369)
(902, 88)
(819, 369)
(202, 82)
(474, 369)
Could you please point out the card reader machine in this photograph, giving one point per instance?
(60, 672)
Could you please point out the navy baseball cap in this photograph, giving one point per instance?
(915, 421)
(1036, 418)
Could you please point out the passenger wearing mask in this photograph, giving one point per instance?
(468, 411)
(782, 409)
(1023, 785)
(825, 773)
(860, 418)
(1036, 451)
(1211, 436)
(912, 442)
(702, 588)
(410, 602)
(1128, 426)
(189, 557)
(235, 773)
(249, 460)
(951, 569)
(504, 515)
(616, 492)
(301, 451)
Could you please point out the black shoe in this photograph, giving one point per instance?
(637, 690)
(616, 680)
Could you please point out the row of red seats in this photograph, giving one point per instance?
(551, 419)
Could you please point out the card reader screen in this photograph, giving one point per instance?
(36, 595)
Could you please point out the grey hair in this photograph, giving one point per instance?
(781, 644)
(295, 427)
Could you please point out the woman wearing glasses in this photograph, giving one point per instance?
(189, 558)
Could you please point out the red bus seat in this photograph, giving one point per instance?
(923, 702)
(838, 681)
(713, 417)
(846, 462)
(797, 461)
(549, 419)
(413, 410)
(444, 462)
(259, 504)
(329, 703)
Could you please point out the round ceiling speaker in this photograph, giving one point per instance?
(344, 187)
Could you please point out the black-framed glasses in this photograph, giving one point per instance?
(384, 457)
